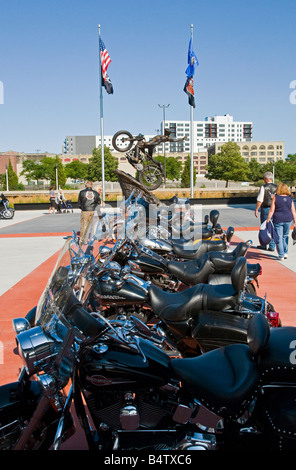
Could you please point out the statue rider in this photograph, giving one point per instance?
(152, 143)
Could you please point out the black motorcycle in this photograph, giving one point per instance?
(6, 212)
(241, 396)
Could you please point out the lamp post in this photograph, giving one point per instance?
(6, 173)
(163, 106)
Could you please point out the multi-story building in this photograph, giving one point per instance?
(262, 151)
(205, 133)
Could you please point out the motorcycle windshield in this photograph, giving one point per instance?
(59, 293)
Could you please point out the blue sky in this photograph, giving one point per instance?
(50, 70)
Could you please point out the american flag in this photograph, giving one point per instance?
(105, 59)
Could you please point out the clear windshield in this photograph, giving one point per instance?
(65, 280)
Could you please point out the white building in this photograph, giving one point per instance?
(205, 134)
(208, 132)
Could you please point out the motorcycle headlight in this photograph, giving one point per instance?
(35, 348)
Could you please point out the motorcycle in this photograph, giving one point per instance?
(6, 212)
(149, 171)
(151, 258)
(240, 396)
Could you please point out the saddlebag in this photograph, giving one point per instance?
(279, 416)
(218, 329)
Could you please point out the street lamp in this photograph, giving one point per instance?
(6, 174)
(163, 126)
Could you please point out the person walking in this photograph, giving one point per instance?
(283, 212)
(59, 199)
(52, 200)
(264, 199)
(88, 200)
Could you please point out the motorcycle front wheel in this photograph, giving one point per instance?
(151, 177)
(125, 138)
(7, 213)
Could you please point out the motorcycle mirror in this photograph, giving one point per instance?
(214, 215)
(207, 219)
(229, 233)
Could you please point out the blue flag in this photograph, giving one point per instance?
(192, 61)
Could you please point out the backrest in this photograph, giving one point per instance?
(258, 333)
(239, 274)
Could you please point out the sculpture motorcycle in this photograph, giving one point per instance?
(150, 171)
(6, 212)
(241, 396)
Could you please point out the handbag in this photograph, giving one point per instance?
(294, 235)
(267, 233)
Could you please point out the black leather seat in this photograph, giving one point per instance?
(192, 272)
(195, 271)
(226, 379)
(177, 306)
(225, 296)
(181, 306)
(188, 251)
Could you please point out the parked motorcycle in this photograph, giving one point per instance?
(6, 212)
(241, 396)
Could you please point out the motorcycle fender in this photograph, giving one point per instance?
(217, 329)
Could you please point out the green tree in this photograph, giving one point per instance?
(58, 170)
(172, 165)
(185, 177)
(45, 170)
(94, 169)
(12, 178)
(32, 170)
(255, 170)
(228, 165)
(76, 170)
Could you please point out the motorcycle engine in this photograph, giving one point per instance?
(125, 410)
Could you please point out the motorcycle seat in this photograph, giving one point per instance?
(225, 380)
(195, 251)
(195, 271)
(192, 272)
(176, 306)
(180, 306)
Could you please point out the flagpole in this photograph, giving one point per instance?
(102, 122)
(191, 137)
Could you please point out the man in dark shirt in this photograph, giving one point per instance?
(264, 198)
(88, 200)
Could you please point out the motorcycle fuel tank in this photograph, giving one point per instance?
(123, 368)
(112, 293)
(150, 265)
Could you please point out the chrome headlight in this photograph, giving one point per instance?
(36, 349)
(104, 252)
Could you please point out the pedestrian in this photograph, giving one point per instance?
(59, 200)
(88, 200)
(283, 212)
(52, 200)
(264, 198)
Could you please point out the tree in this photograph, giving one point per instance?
(228, 164)
(12, 178)
(94, 169)
(58, 170)
(76, 170)
(172, 166)
(255, 170)
(185, 177)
